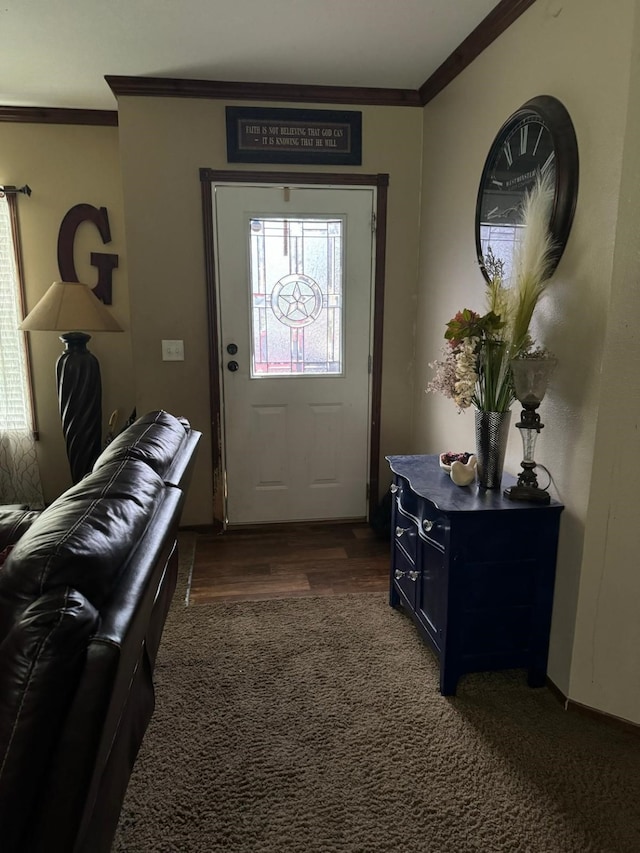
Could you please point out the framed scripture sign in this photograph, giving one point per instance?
(323, 137)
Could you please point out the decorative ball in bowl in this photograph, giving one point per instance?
(446, 459)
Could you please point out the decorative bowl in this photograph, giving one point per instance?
(447, 458)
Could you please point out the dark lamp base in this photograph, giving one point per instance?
(527, 493)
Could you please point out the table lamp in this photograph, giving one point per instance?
(530, 379)
(70, 305)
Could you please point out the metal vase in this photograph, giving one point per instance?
(492, 433)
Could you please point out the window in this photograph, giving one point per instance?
(19, 476)
(296, 296)
(15, 398)
(502, 240)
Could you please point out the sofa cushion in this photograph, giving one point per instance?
(40, 661)
(155, 438)
(83, 540)
(14, 522)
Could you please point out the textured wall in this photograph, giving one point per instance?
(579, 51)
(606, 660)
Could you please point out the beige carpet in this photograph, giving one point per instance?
(316, 726)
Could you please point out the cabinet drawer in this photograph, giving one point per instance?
(405, 533)
(430, 603)
(404, 574)
(433, 526)
(402, 492)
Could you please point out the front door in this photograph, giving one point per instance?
(295, 270)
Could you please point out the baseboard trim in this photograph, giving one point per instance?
(586, 711)
(201, 528)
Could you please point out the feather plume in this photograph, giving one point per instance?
(476, 369)
(532, 259)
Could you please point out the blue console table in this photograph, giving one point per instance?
(474, 570)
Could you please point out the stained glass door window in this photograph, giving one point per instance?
(296, 279)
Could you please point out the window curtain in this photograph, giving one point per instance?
(19, 473)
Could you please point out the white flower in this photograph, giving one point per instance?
(466, 374)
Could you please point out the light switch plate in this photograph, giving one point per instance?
(173, 350)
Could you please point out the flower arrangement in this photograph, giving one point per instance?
(475, 368)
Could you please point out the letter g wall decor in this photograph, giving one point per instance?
(105, 263)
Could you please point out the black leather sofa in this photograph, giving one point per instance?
(84, 594)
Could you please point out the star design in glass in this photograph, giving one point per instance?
(296, 301)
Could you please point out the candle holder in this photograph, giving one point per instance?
(530, 379)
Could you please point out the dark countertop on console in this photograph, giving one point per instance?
(429, 481)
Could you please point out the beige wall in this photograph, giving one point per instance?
(606, 658)
(163, 144)
(65, 166)
(579, 51)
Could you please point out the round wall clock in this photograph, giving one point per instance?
(538, 138)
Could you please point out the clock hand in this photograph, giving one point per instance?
(496, 213)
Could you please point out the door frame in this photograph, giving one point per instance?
(380, 182)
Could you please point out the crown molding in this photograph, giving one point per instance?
(493, 25)
(173, 87)
(55, 115)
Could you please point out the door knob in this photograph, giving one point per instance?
(233, 366)
(232, 349)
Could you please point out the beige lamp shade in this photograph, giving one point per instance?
(70, 306)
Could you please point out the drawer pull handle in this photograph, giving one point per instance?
(401, 530)
(394, 489)
(412, 575)
(427, 525)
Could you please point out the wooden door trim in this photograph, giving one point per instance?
(381, 183)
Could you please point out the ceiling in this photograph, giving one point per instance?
(57, 54)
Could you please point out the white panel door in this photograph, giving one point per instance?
(294, 271)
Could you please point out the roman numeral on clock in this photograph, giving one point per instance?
(535, 147)
(548, 163)
(524, 136)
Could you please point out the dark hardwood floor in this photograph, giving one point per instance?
(285, 561)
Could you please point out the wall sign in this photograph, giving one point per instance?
(105, 263)
(263, 135)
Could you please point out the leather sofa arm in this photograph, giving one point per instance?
(158, 439)
(14, 521)
(42, 658)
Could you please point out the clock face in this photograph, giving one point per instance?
(538, 139)
(519, 155)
